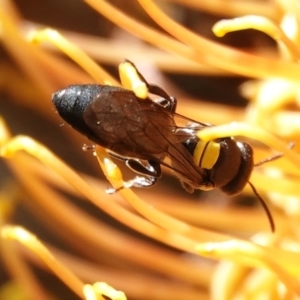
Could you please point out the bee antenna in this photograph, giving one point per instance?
(268, 159)
(264, 205)
(274, 157)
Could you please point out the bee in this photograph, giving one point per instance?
(147, 133)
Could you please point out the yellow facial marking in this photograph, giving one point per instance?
(206, 154)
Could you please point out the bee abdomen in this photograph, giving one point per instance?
(72, 101)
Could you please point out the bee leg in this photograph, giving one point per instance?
(169, 103)
(118, 156)
(146, 168)
(143, 167)
(86, 147)
(138, 181)
(150, 173)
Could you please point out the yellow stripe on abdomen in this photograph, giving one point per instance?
(206, 154)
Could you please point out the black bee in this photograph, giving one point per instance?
(147, 133)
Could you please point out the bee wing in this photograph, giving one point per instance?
(125, 124)
(137, 128)
(183, 121)
(181, 161)
(165, 136)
